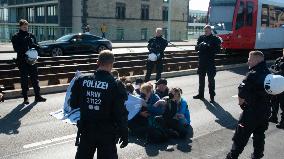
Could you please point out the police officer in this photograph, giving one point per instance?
(103, 115)
(254, 102)
(1, 95)
(157, 46)
(207, 46)
(278, 69)
(23, 41)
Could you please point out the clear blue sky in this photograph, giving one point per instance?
(199, 5)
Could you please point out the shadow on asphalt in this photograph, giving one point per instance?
(183, 145)
(11, 122)
(224, 118)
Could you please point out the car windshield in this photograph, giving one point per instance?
(65, 38)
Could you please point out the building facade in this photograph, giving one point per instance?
(122, 19)
(131, 19)
(49, 19)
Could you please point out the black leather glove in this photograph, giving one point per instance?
(123, 139)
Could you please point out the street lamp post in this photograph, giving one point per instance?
(169, 20)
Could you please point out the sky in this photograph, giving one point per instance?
(199, 5)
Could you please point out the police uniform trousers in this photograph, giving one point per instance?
(159, 69)
(249, 124)
(91, 141)
(211, 73)
(27, 70)
(276, 102)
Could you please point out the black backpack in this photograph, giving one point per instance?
(156, 132)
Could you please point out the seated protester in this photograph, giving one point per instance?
(129, 88)
(115, 74)
(149, 108)
(176, 116)
(125, 80)
(137, 85)
(154, 104)
(162, 89)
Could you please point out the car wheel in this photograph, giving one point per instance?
(101, 48)
(56, 52)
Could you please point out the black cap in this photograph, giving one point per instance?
(162, 81)
(139, 81)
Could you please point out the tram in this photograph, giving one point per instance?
(248, 24)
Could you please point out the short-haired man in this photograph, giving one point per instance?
(23, 41)
(254, 102)
(103, 115)
(156, 47)
(162, 89)
(207, 46)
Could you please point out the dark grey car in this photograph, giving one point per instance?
(75, 44)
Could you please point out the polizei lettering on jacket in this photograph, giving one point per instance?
(95, 84)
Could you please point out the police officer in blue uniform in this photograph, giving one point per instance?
(208, 46)
(254, 102)
(23, 41)
(103, 115)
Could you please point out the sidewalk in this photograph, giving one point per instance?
(7, 47)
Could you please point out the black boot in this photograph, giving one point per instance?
(40, 99)
(256, 156)
(26, 100)
(280, 125)
(198, 96)
(212, 100)
(229, 156)
(273, 119)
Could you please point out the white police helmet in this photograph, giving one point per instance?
(152, 57)
(274, 84)
(32, 56)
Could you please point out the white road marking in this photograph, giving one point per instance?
(35, 149)
(49, 141)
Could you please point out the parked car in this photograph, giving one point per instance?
(74, 44)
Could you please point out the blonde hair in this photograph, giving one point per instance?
(146, 88)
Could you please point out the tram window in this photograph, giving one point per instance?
(264, 16)
(272, 16)
(250, 6)
(240, 16)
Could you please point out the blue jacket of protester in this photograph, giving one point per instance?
(154, 111)
(185, 111)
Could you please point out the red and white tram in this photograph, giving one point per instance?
(248, 24)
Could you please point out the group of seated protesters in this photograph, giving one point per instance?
(164, 113)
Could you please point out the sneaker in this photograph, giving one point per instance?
(273, 119)
(280, 125)
(26, 101)
(198, 97)
(40, 99)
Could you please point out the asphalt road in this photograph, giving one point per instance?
(29, 132)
